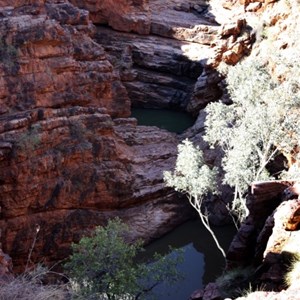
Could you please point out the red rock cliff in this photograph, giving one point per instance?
(69, 158)
(123, 15)
(68, 161)
(49, 60)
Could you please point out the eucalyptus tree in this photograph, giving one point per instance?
(193, 177)
(262, 121)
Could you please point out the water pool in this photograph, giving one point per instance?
(202, 260)
(174, 121)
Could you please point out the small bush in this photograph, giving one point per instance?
(193, 177)
(30, 140)
(104, 266)
(8, 56)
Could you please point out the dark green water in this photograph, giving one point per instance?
(203, 262)
(174, 121)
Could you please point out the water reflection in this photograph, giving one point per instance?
(203, 262)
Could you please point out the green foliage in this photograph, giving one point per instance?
(104, 266)
(261, 122)
(194, 178)
(77, 131)
(191, 174)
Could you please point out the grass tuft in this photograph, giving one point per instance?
(30, 286)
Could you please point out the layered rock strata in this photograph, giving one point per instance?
(123, 15)
(49, 60)
(155, 71)
(173, 64)
(63, 171)
(69, 156)
(68, 160)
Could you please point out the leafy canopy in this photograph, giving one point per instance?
(194, 178)
(191, 174)
(104, 266)
(261, 122)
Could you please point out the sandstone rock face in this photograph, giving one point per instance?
(263, 199)
(154, 70)
(66, 170)
(160, 70)
(189, 22)
(174, 66)
(49, 60)
(123, 15)
(269, 240)
(68, 160)
(69, 156)
(281, 247)
(207, 89)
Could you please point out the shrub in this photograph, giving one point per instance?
(104, 266)
(29, 140)
(8, 56)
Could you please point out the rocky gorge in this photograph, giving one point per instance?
(71, 156)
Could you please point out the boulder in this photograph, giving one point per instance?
(122, 15)
(210, 292)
